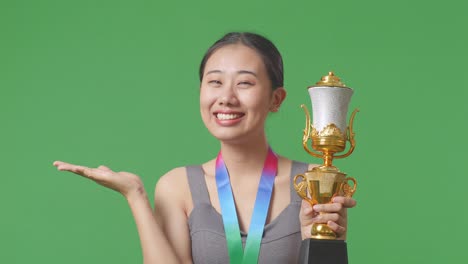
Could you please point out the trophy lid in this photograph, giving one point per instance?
(330, 80)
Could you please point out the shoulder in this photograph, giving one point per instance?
(173, 189)
(172, 185)
(172, 178)
(177, 178)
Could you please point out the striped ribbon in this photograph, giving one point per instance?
(250, 254)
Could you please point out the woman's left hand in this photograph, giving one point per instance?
(333, 214)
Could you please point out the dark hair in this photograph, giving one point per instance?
(264, 47)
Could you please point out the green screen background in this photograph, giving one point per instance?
(115, 83)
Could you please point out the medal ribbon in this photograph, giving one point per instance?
(250, 254)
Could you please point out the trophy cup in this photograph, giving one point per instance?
(329, 134)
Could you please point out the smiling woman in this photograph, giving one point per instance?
(236, 94)
(239, 207)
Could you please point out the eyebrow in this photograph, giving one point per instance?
(239, 72)
(213, 71)
(247, 72)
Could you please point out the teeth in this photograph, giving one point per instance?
(227, 116)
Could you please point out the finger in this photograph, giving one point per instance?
(93, 174)
(325, 218)
(347, 202)
(58, 163)
(339, 230)
(328, 208)
(64, 166)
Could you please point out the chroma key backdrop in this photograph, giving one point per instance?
(116, 83)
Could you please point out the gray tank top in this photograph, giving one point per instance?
(281, 237)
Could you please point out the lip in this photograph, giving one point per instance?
(228, 122)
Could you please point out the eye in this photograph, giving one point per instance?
(245, 83)
(215, 82)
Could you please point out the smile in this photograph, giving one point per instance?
(222, 116)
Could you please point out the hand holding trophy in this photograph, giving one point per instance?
(329, 133)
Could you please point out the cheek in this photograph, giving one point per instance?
(259, 102)
(206, 101)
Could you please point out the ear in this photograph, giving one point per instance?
(279, 94)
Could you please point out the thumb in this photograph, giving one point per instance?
(96, 174)
(306, 207)
(105, 168)
(306, 213)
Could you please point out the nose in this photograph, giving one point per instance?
(228, 97)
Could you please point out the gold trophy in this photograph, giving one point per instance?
(329, 134)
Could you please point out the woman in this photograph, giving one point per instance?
(241, 79)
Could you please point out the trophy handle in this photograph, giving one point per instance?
(347, 189)
(302, 187)
(307, 132)
(350, 136)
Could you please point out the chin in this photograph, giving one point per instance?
(233, 136)
(228, 137)
(226, 134)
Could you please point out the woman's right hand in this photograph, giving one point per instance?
(123, 182)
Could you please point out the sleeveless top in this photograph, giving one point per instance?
(281, 237)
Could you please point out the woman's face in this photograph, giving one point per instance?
(236, 94)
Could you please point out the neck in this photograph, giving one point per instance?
(245, 159)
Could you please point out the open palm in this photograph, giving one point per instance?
(122, 182)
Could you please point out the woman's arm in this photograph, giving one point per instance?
(154, 243)
(171, 209)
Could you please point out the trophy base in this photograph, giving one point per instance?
(316, 251)
(322, 231)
